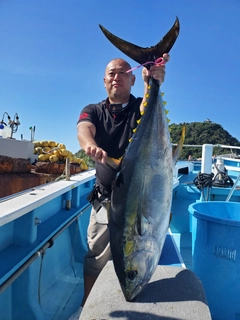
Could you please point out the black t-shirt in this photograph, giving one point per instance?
(113, 132)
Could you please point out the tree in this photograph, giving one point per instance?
(82, 155)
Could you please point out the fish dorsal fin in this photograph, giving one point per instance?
(141, 115)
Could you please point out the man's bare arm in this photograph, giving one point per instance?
(86, 138)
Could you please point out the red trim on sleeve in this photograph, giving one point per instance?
(84, 115)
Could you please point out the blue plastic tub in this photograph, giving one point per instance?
(216, 255)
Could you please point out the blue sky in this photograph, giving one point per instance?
(53, 56)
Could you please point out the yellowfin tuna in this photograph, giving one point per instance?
(142, 194)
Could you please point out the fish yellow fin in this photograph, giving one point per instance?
(128, 248)
(178, 149)
(114, 163)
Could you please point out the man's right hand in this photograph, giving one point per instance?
(86, 134)
(96, 153)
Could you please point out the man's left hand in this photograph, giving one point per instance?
(156, 71)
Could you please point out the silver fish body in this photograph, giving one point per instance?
(141, 199)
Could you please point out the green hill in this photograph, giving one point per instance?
(199, 133)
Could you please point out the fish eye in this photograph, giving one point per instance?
(131, 275)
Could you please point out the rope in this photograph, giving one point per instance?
(221, 179)
(203, 180)
(224, 181)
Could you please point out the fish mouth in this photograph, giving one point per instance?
(143, 55)
(132, 286)
(131, 295)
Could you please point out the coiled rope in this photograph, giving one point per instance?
(206, 181)
(203, 180)
(222, 179)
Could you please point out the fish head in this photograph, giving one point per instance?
(139, 267)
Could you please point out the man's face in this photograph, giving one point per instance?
(117, 82)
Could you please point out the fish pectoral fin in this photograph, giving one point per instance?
(178, 149)
(114, 163)
(139, 225)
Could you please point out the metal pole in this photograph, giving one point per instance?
(233, 188)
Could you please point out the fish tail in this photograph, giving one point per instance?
(143, 55)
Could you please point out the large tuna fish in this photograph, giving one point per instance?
(142, 194)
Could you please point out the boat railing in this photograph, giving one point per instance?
(213, 145)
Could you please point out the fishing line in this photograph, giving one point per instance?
(158, 62)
